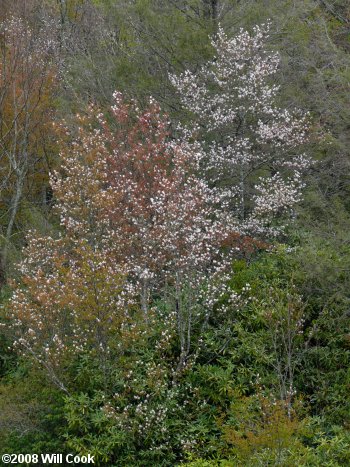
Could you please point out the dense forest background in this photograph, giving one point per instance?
(158, 380)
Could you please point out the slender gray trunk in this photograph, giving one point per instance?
(13, 214)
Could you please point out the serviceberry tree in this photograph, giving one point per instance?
(136, 221)
(254, 148)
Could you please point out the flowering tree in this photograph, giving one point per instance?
(136, 219)
(73, 300)
(253, 148)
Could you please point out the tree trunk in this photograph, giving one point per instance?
(13, 213)
(211, 9)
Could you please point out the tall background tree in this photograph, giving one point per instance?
(28, 75)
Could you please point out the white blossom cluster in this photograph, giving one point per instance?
(74, 301)
(247, 136)
(38, 48)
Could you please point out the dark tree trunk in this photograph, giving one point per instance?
(211, 9)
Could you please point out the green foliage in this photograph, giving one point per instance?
(140, 44)
(32, 418)
(225, 409)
